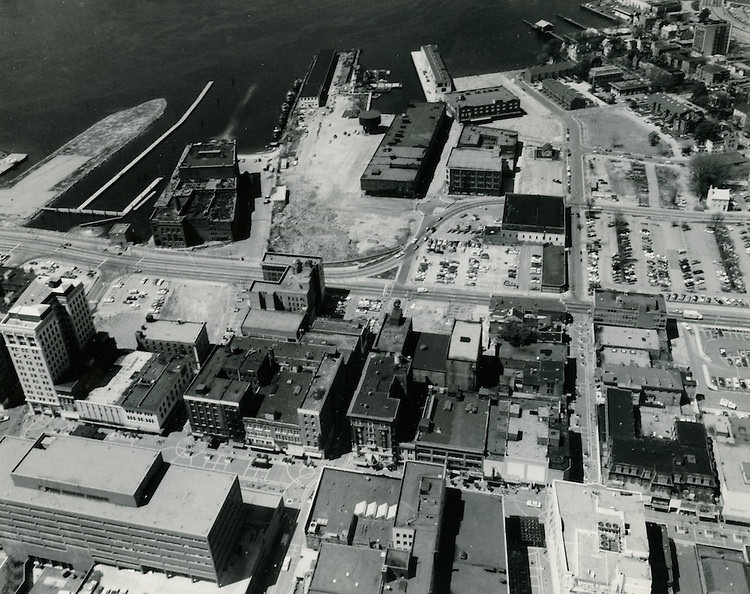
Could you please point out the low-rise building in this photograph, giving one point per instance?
(596, 539)
(440, 76)
(537, 368)
(485, 104)
(483, 158)
(602, 76)
(404, 161)
(530, 218)
(395, 335)
(314, 91)
(175, 338)
(634, 310)
(545, 320)
(381, 407)
(81, 502)
(377, 534)
(631, 86)
(566, 96)
(718, 199)
(667, 470)
(741, 115)
(291, 282)
(220, 395)
(678, 113)
(464, 356)
(712, 74)
(201, 202)
(429, 363)
(545, 71)
(144, 393)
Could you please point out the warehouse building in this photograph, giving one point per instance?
(482, 160)
(485, 104)
(175, 338)
(530, 218)
(314, 92)
(404, 161)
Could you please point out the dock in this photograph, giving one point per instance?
(545, 28)
(151, 147)
(134, 204)
(433, 75)
(596, 11)
(573, 22)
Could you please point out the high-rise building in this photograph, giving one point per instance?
(45, 331)
(712, 38)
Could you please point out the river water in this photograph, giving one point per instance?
(66, 64)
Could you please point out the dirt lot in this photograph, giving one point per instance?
(186, 300)
(619, 130)
(538, 124)
(327, 212)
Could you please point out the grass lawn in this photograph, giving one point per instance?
(613, 129)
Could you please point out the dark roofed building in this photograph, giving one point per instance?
(200, 202)
(481, 160)
(537, 73)
(440, 75)
(554, 269)
(314, 91)
(634, 310)
(531, 218)
(483, 104)
(404, 160)
(566, 96)
(380, 406)
(679, 114)
(428, 364)
(395, 332)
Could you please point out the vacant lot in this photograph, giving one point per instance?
(620, 131)
(327, 213)
(196, 301)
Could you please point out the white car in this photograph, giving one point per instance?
(534, 503)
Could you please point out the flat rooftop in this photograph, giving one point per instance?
(477, 97)
(61, 460)
(373, 397)
(486, 137)
(431, 352)
(318, 75)
(628, 338)
(630, 376)
(475, 158)
(270, 321)
(592, 515)
(172, 330)
(403, 150)
(186, 500)
(533, 430)
(341, 491)
(342, 569)
(466, 341)
(481, 539)
(211, 153)
(129, 365)
(554, 269)
(620, 300)
(534, 212)
(457, 424)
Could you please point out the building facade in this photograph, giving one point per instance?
(82, 502)
(175, 338)
(712, 38)
(48, 326)
(485, 104)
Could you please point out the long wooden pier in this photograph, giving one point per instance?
(570, 21)
(135, 204)
(542, 31)
(151, 147)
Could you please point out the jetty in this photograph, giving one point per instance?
(134, 204)
(592, 7)
(151, 147)
(544, 27)
(573, 22)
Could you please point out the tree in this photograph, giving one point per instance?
(706, 130)
(517, 334)
(653, 138)
(698, 90)
(704, 15)
(707, 170)
(551, 51)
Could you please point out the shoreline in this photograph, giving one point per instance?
(24, 195)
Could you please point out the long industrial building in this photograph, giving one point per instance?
(81, 502)
(403, 162)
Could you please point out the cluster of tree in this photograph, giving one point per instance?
(653, 138)
(708, 170)
(517, 334)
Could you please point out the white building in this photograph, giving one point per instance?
(596, 538)
(142, 395)
(47, 327)
(717, 199)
